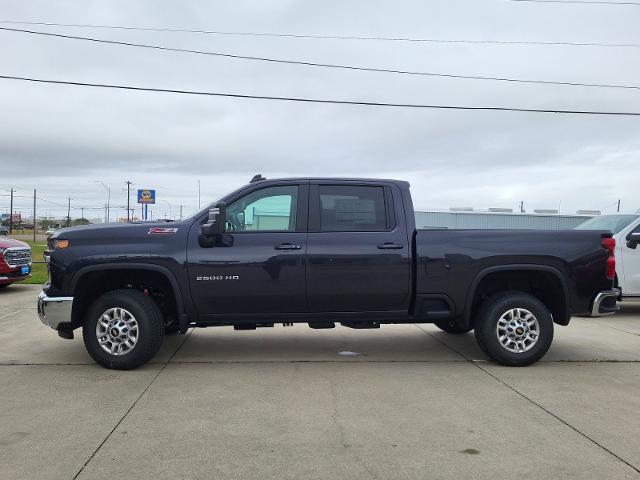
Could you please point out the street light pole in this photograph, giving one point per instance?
(170, 209)
(107, 212)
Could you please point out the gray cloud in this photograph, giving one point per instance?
(61, 139)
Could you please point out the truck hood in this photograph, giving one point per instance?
(104, 232)
(10, 242)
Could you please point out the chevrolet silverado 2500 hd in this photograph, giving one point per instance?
(320, 251)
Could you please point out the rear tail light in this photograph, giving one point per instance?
(610, 245)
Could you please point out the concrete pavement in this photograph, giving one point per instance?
(284, 403)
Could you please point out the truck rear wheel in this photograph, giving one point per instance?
(123, 329)
(446, 326)
(514, 329)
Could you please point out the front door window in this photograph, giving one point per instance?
(271, 209)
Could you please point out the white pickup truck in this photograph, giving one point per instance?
(626, 231)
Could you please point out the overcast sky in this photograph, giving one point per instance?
(62, 139)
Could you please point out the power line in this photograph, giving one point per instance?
(580, 1)
(326, 37)
(316, 100)
(321, 65)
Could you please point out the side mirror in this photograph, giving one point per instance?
(214, 227)
(633, 239)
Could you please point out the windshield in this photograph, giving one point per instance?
(615, 223)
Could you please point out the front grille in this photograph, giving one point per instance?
(17, 256)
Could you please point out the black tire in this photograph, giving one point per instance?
(150, 329)
(4, 285)
(487, 323)
(445, 326)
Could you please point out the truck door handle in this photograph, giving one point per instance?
(287, 246)
(390, 246)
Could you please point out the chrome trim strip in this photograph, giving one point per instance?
(54, 310)
(600, 297)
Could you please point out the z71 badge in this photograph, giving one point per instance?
(162, 230)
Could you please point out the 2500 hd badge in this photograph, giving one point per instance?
(219, 277)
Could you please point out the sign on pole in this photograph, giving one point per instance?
(147, 196)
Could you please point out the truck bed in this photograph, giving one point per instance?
(455, 261)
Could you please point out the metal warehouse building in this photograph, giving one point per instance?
(498, 220)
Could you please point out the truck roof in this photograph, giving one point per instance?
(340, 179)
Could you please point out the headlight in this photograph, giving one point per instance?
(59, 244)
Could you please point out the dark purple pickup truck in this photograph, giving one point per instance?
(320, 251)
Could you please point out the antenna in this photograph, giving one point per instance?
(257, 178)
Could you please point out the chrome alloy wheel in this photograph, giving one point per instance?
(117, 331)
(518, 330)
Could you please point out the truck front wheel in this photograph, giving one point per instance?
(123, 329)
(514, 329)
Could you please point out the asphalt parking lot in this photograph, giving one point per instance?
(408, 402)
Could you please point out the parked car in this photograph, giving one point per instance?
(626, 231)
(4, 230)
(320, 251)
(15, 261)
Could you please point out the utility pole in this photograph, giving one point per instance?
(618, 205)
(128, 204)
(198, 194)
(35, 221)
(69, 212)
(82, 213)
(522, 206)
(180, 212)
(11, 213)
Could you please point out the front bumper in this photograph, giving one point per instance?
(54, 311)
(605, 303)
(4, 279)
(13, 275)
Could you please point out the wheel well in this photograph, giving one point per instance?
(152, 283)
(542, 284)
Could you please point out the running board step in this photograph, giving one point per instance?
(321, 325)
(360, 325)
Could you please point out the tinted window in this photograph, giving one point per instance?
(269, 209)
(352, 208)
(614, 223)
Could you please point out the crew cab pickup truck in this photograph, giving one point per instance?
(320, 251)
(626, 232)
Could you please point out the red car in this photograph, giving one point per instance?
(15, 261)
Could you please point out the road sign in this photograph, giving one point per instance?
(147, 196)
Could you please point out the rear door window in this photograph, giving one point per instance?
(357, 208)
